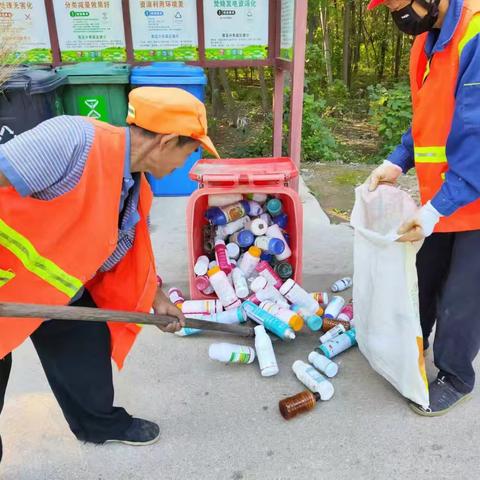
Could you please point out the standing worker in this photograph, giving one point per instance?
(443, 144)
(74, 206)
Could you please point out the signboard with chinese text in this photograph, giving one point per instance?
(287, 24)
(236, 29)
(90, 31)
(24, 26)
(164, 30)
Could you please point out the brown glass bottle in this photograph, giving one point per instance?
(299, 403)
(329, 323)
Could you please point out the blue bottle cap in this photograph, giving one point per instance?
(314, 323)
(286, 236)
(276, 246)
(246, 206)
(274, 207)
(245, 238)
(281, 220)
(266, 256)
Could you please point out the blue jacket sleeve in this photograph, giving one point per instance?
(462, 180)
(403, 153)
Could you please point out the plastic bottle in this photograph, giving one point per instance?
(298, 296)
(313, 379)
(254, 209)
(321, 298)
(338, 344)
(346, 314)
(236, 315)
(233, 251)
(299, 403)
(266, 257)
(253, 298)
(224, 199)
(314, 323)
(341, 285)
(227, 214)
(329, 323)
(222, 287)
(274, 207)
(231, 353)
(203, 285)
(175, 295)
(293, 320)
(270, 245)
(257, 227)
(332, 333)
(269, 274)
(202, 307)
(243, 239)
(230, 228)
(274, 232)
(256, 197)
(201, 265)
(265, 353)
(281, 220)
(270, 322)
(250, 260)
(284, 270)
(240, 283)
(334, 307)
(266, 292)
(323, 364)
(221, 256)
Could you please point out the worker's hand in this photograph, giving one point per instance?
(163, 306)
(421, 225)
(387, 172)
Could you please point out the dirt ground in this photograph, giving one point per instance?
(333, 185)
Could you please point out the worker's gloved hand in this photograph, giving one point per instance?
(163, 306)
(387, 172)
(421, 225)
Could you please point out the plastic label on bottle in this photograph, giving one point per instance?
(239, 357)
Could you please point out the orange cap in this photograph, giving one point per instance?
(296, 322)
(213, 271)
(254, 251)
(169, 110)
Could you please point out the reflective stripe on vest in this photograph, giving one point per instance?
(5, 276)
(430, 154)
(472, 30)
(40, 266)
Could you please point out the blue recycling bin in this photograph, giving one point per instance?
(193, 80)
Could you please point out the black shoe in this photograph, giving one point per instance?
(443, 397)
(140, 432)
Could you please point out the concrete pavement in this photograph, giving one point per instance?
(222, 421)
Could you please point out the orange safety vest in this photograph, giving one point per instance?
(50, 249)
(433, 98)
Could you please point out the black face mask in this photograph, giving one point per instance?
(409, 22)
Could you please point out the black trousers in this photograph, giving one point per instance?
(75, 356)
(448, 266)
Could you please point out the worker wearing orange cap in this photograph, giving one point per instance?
(443, 144)
(74, 207)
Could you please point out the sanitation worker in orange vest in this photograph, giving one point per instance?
(74, 207)
(443, 144)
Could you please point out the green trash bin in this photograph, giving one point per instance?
(96, 90)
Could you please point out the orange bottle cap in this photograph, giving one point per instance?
(213, 271)
(255, 251)
(296, 322)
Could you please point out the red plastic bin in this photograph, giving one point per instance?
(243, 175)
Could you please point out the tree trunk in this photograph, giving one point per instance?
(383, 46)
(358, 38)
(347, 16)
(217, 106)
(228, 95)
(398, 55)
(312, 19)
(263, 90)
(327, 49)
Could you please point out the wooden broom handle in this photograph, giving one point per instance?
(32, 310)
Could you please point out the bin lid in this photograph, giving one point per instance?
(248, 171)
(33, 80)
(95, 72)
(168, 73)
